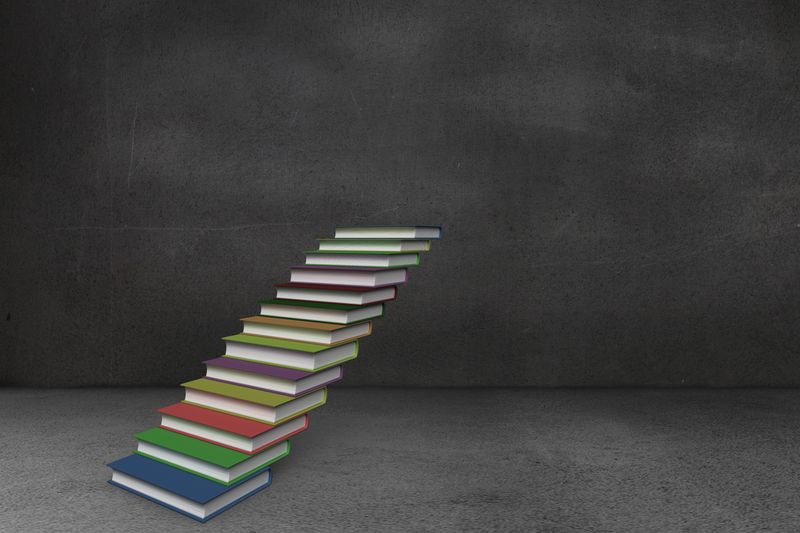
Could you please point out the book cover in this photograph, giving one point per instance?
(190, 486)
(199, 449)
(260, 397)
(359, 252)
(202, 450)
(265, 370)
(375, 245)
(218, 420)
(258, 368)
(319, 305)
(265, 406)
(389, 232)
(342, 268)
(273, 342)
(349, 259)
(197, 425)
(296, 323)
(341, 288)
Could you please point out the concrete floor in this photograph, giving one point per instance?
(436, 460)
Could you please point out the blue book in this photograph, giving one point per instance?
(188, 494)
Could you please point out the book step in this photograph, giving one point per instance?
(234, 432)
(181, 491)
(270, 378)
(211, 461)
(262, 406)
(304, 330)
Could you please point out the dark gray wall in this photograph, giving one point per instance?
(618, 183)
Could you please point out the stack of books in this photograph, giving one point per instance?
(215, 448)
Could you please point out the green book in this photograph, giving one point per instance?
(272, 342)
(204, 459)
(261, 397)
(199, 449)
(256, 404)
(289, 354)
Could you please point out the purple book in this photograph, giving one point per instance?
(353, 276)
(270, 378)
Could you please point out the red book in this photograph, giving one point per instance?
(241, 434)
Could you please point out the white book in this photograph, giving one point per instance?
(311, 294)
(252, 326)
(299, 360)
(365, 245)
(216, 472)
(232, 440)
(256, 411)
(389, 232)
(362, 260)
(272, 383)
(356, 277)
(321, 314)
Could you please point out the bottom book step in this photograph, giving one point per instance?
(188, 494)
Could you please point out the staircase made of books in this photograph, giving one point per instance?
(215, 448)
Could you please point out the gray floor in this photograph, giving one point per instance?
(436, 460)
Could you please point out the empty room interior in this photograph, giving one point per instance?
(400, 266)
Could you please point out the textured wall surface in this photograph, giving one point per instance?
(618, 183)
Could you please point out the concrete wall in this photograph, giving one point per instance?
(618, 183)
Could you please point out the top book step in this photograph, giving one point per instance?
(390, 232)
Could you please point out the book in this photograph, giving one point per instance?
(204, 459)
(365, 245)
(390, 232)
(362, 259)
(188, 494)
(270, 378)
(320, 311)
(339, 294)
(296, 355)
(360, 277)
(236, 433)
(304, 330)
(259, 405)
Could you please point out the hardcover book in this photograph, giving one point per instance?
(339, 275)
(204, 459)
(341, 294)
(271, 378)
(389, 232)
(188, 494)
(259, 405)
(362, 259)
(304, 330)
(241, 434)
(368, 245)
(295, 355)
(320, 311)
